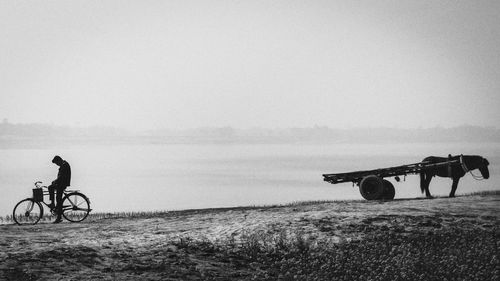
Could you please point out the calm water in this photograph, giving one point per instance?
(169, 177)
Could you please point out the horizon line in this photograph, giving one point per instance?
(316, 126)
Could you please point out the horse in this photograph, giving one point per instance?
(465, 163)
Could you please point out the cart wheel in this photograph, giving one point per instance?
(389, 191)
(371, 187)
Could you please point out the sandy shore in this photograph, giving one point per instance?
(192, 244)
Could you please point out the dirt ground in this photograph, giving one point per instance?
(151, 248)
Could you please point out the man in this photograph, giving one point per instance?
(59, 185)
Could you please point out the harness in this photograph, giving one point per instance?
(464, 167)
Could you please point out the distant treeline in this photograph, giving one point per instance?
(47, 130)
(326, 134)
(19, 134)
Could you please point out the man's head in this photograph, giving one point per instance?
(57, 160)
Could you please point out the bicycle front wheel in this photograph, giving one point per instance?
(27, 211)
(76, 207)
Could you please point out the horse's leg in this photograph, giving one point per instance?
(454, 186)
(426, 186)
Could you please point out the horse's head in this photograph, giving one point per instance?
(483, 168)
(472, 162)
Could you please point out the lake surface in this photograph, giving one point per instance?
(176, 176)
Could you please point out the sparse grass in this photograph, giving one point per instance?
(482, 193)
(453, 254)
(131, 215)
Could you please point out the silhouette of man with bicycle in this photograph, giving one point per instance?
(62, 181)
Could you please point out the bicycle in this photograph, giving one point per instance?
(75, 206)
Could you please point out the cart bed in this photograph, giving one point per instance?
(402, 170)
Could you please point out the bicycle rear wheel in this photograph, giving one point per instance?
(76, 207)
(27, 211)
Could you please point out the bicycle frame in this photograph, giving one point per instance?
(47, 193)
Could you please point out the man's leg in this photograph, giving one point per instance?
(51, 189)
(59, 195)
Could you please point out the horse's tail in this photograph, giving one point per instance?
(422, 181)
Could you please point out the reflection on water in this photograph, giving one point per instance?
(167, 177)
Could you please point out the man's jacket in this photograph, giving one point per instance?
(64, 175)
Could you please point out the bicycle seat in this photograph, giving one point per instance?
(71, 190)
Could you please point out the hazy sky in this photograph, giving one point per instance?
(184, 64)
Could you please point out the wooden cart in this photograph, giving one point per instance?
(372, 184)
